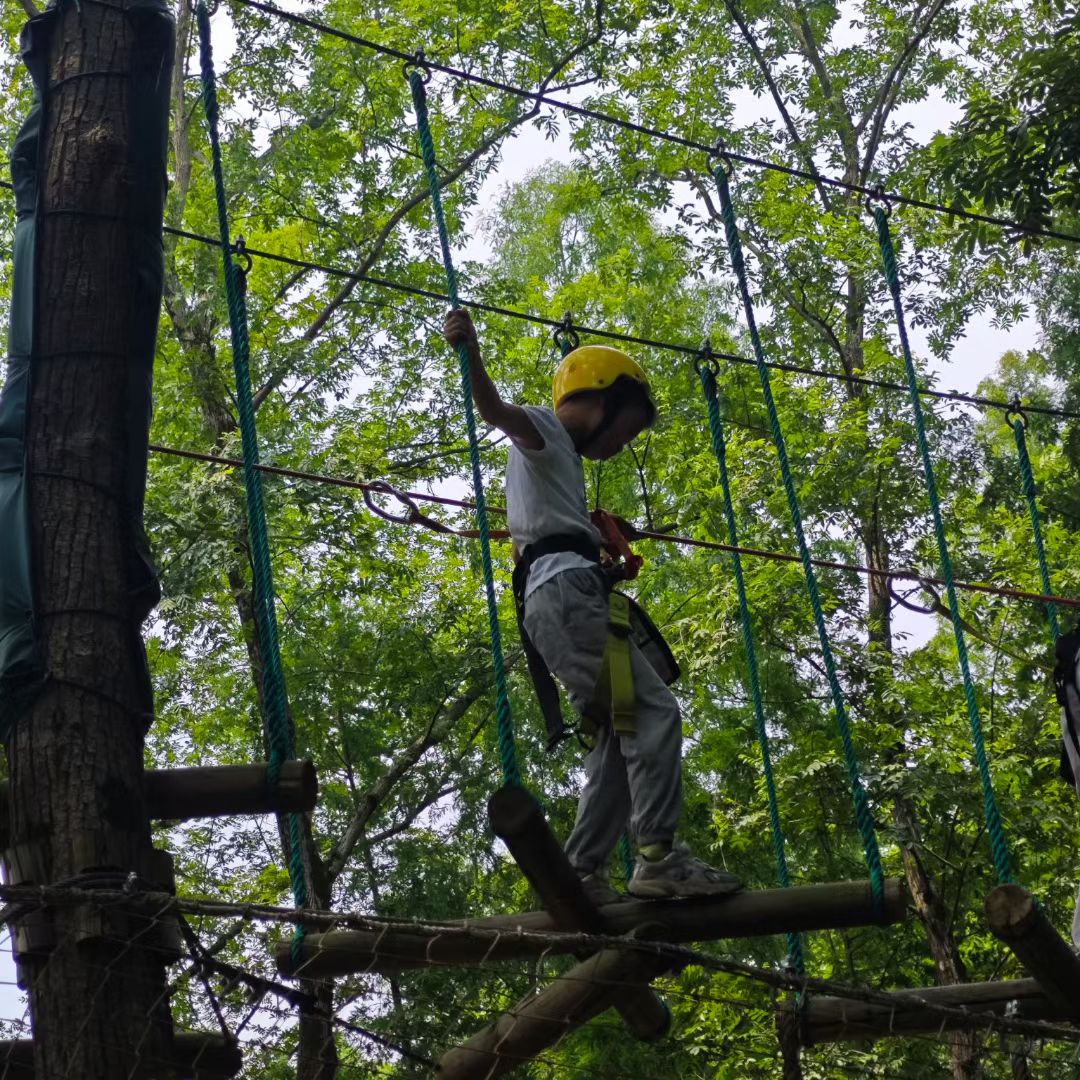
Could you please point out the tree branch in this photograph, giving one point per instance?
(30, 8)
(778, 98)
(439, 729)
(886, 97)
(841, 117)
(421, 194)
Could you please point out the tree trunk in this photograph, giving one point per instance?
(98, 995)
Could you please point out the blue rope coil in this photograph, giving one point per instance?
(511, 770)
(279, 731)
(716, 430)
(995, 827)
(864, 819)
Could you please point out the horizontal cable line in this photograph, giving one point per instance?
(655, 133)
(632, 339)
(377, 488)
(615, 335)
(18, 898)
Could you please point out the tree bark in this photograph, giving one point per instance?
(98, 995)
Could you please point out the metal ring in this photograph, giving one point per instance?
(240, 251)
(718, 157)
(704, 358)
(903, 601)
(878, 199)
(565, 331)
(388, 489)
(1015, 412)
(418, 64)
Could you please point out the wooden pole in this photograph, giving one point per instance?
(541, 1020)
(833, 1019)
(194, 1055)
(520, 823)
(214, 791)
(745, 914)
(1016, 920)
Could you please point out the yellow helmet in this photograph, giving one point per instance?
(595, 367)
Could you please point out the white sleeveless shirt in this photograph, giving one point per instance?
(545, 496)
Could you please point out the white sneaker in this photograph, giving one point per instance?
(679, 874)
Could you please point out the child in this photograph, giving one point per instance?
(602, 402)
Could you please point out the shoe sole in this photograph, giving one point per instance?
(661, 890)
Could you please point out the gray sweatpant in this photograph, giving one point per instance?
(635, 778)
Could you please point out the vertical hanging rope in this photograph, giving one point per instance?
(275, 704)
(1027, 480)
(706, 368)
(994, 825)
(504, 721)
(863, 817)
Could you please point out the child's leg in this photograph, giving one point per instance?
(603, 808)
(653, 757)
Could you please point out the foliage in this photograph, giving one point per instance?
(383, 627)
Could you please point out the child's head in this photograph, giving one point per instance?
(603, 399)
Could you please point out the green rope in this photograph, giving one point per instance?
(504, 721)
(707, 375)
(626, 856)
(1027, 478)
(275, 704)
(863, 816)
(996, 829)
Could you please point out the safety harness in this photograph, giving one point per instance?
(613, 698)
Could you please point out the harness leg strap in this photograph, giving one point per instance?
(615, 684)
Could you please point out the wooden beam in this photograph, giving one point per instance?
(752, 913)
(229, 790)
(1016, 920)
(541, 1020)
(214, 791)
(833, 1019)
(519, 822)
(194, 1055)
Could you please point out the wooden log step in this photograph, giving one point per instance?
(519, 822)
(751, 913)
(214, 791)
(834, 1019)
(195, 1055)
(1016, 920)
(541, 1020)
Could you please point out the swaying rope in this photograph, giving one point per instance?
(1027, 479)
(863, 817)
(995, 827)
(275, 704)
(706, 369)
(504, 720)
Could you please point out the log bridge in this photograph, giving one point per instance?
(1052, 994)
(611, 978)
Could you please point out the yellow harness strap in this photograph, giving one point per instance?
(615, 684)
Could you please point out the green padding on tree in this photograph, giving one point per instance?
(21, 665)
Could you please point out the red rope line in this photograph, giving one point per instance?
(414, 517)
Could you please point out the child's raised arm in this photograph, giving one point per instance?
(507, 417)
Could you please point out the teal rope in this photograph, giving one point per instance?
(504, 721)
(279, 730)
(863, 817)
(996, 829)
(716, 429)
(626, 856)
(1027, 478)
